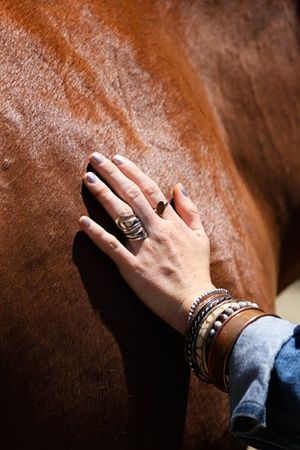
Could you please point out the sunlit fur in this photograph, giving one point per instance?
(203, 92)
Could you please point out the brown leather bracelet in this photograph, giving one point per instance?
(224, 341)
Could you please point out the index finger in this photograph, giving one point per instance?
(125, 188)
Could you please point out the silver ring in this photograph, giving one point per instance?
(132, 227)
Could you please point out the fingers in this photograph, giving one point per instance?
(111, 202)
(186, 209)
(149, 188)
(125, 188)
(108, 243)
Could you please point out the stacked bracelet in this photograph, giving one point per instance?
(231, 309)
(199, 314)
(222, 344)
(214, 323)
(212, 319)
(201, 299)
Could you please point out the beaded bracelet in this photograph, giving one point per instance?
(201, 299)
(224, 341)
(204, 329)
(192, 331)
(235, 306)
(207, 319)
(214, 323)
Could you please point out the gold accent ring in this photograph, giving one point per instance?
(160, 208)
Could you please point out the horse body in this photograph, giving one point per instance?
(83, 363)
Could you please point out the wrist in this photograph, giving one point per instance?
(186, 305)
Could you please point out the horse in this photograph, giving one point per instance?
(202, 92)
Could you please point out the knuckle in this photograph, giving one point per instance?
(109, 168)
(113, 244)
(132, 192)
(138, 269)
(102, 190)
(192, 211)
(162, 233)
(163, 241)
(124, 211)
(151, 189)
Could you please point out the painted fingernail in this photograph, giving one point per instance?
(91, 178)
(118, 159)
(97, 158)
(183, 190)
(85, 221)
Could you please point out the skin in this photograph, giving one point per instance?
(170, 268)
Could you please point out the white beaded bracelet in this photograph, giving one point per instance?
(201, 297)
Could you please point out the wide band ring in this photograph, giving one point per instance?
(132, 227)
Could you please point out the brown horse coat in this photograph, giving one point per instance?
(206, 93)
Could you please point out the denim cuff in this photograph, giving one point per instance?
(250, 366)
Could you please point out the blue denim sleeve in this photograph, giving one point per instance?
(264, 385)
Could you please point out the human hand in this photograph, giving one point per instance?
(170, 268)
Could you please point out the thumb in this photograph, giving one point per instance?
(186, 209)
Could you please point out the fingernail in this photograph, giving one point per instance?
(91, 178)
(118, 159)
(97, 158)
(182, 188)
(85, 221)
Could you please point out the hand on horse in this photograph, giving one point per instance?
(170, 267)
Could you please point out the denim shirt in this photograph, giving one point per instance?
(264, 385)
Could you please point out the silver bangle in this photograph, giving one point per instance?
(201, 297)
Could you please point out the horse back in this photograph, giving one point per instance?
(83, 363)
